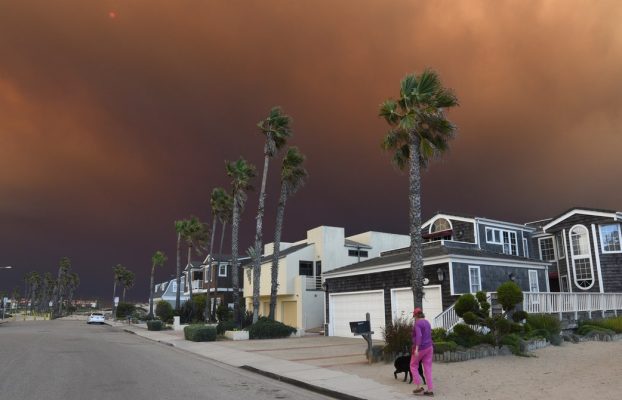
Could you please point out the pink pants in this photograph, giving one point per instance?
(425, 356)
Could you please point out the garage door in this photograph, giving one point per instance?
(402, 302)
(347, 307)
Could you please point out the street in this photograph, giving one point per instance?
(70, 360)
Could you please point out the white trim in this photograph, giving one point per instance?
(477, 239)
(451, 226)
(447, 216)
(567, 263)
(589, 257)
(546, 279)
(578, 211)
(221, 275)
(451, 278)
(479, 278)
(552, 238)
(602, 244)
(598, 270)
(504, 225)
(537, 283)
(559, 256)
(525, 247)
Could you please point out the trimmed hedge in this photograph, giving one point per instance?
(200, 333)
(154, 325)
(441, 347)
(225, 326)
(266, 328)
(125, 309)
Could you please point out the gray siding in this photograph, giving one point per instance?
(498, 248)
(494, 275)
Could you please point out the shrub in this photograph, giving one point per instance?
(441, 347)
(465, 336)
(200, 333)
(509, 295)
(223, 313)
(225, 326)
(439, 335)
(520, 315)
(193, 310)
(164, 311)
(266, 328)
(587, 329)
(466, 303)
(549, 323)
(125, 309)
(614, 324)
(514, 342)
(154, 325)
(247, 319)
(398, 336)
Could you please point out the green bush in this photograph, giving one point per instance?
(509, 295)
(398, 337)
(125, 309)
(614, 324)
(164, 311)
(439, 335)
(223, 313)
(266, 328)
(465, 336)
(587, 329)
(466, 303)
(547, 322)
(514, 342)
(200, 333)
(441, 347)
(154, 325)
(192, 311)
(520, 315)
(225, 326)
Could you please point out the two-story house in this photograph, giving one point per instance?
(302, 265)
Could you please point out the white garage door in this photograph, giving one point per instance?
(402, 302)
(347, 307)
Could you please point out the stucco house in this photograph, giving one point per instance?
(302, 266)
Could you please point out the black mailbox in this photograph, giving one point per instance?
(360, 327)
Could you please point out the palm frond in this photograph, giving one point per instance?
(388, 111)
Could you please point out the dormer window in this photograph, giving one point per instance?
(440, 225)
(439, 230)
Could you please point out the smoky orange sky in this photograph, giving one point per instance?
(116, 117)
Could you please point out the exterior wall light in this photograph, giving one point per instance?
(440, 275)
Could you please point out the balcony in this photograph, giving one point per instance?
(313, 282)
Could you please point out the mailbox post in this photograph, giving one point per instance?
(363, 328)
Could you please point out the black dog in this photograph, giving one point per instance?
(402, 364)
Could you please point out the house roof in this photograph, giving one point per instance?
(194, 264)
(282, 253)
(163, 286)
(432, 250)
(582, 210)
(352, 243)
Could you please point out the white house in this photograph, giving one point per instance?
(300, 299)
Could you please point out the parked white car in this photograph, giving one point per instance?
(95, 318)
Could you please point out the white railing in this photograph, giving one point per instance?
(559, 303)
(313, 283)
(198, 284)
(447, 319)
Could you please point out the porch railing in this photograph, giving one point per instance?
(560, 303)
(313, 283)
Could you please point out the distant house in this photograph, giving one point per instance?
(302, 266)
(167, 291)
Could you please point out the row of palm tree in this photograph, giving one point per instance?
(45, 293)
(123, 277)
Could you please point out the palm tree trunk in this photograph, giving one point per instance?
(208, 273)
(151, 292)
(114, 293)
(280, 213)
(416, 241)
(177, 296)
(124, 287)
(235, 276)
(218, 261)
(258, 240)
(189, 282)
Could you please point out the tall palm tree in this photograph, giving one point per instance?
(127, 281)
(157, 260)
(180, 226)
(241, 172)
(276, 129)
(73, 282)
(118, 273)
(195, 235)
(225, 215)
(33, 282)
(215, 203)
(418, 132)
(293, 176)
(59, 290)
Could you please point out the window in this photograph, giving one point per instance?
(561, 252)
(547, 252)
(222, 270)
(534, 286)
(440, 225)
(581, 257)
(505, 238)
(610, 238)
(357, 253)
(475, 279)
(525, 248)
(305, 268)
(174, 287)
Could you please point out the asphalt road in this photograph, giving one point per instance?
(70, 360)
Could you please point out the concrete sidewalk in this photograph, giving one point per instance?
(303, 362)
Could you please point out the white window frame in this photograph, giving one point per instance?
(576, 257)
(174, 287)
(533, 278)
(559, 246)
(602, 243)
(479, 278)
(497, 238)
(552, 239)
(525, 248)
(220, 269)
(433, 222)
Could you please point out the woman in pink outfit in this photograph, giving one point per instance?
(423, 350)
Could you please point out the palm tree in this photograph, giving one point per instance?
(216, 203)
(157, 260)
(225, 214)
(276, 130)
(73, 281)
(61, 281)
(241, 172)
(179, 228)
(118, 272)
(293, 176)
(127, 281)
(195, 235)
(33, 282)
(418, 132)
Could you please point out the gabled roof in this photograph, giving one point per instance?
(441, 214)
(352, 243)
(583, 210)
(194, 264)
(282, 254)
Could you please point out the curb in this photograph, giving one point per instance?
(301, 384)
